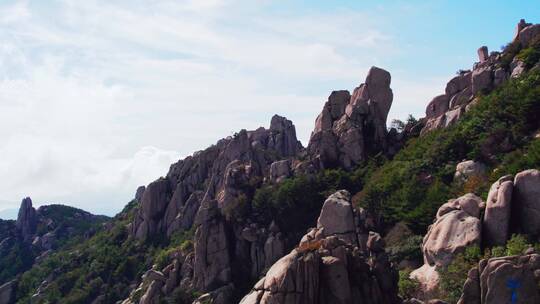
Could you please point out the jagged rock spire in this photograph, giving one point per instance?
(350, 126)
(27, 219)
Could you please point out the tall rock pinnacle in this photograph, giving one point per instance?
(27, 219)
(350, 126)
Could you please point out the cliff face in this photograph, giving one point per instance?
(333, 263)
(222, 173)
(27, 219)
(349, 127)
(230, 252)
(208, 191)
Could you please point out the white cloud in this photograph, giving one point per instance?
(97, 98)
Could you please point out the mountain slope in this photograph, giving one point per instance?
(219, 219)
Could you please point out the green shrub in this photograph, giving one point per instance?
(454, 275)
(413, 185)
(408, 287)
(516, 245)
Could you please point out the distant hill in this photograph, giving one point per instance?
(8, 214)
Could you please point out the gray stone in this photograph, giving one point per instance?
(483, 53)
(437, 107)
(497, 216)
(526, 201)
(27, 220)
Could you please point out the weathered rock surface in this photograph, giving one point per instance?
(444, 110)
(527, 34)
(457, 226)
(327, 268)
(349, 125)
(139, 193)
(7, 293)
(27, 219)
(428, 277)
(483, 53)
(496, 224)
(212, 267)
(526, 201)
(221, 295)
(468, 169)
(169, 204)
(512, 279)
(280, 170)
(337, 217)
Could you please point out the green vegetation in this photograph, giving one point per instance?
(180, 242)
(419, 179)
(530, 55)
(407, 249)
(408, 288)
(17, 257)
(106, 263)
(16, 260)
(296, 202)
(453, 277)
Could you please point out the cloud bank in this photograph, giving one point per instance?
(97, 98)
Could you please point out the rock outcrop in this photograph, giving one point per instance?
(27, 219)
(349, 126)
(496, 222)
(512, 207)
(526, 201)
(512, 279)
(489, 72)
(212, 267)
(457, 226)
(469, 168)
(7, 293)
(328, 267)
(222, 171)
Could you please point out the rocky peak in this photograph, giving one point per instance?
(351, 126)
(27, 219)
(488, 73)
(512, 206)
(221, 173)
(328, 266)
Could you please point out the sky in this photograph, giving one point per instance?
(99, 97)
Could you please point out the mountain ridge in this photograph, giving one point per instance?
(220, 218)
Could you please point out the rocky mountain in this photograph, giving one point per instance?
(234, 223)
(37, 233)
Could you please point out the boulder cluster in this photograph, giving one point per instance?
(511, 279)
(204, 191)
(329, 265)
(488, 73)
(512, 206)
(349, 126)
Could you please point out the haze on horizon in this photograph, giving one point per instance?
(99, 98)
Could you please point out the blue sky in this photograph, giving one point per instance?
(98, 97)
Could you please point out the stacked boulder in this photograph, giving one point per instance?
(158, 284)
(488, 73)
(511, 279)
(328, 266)
(512, 206)
(457, 226)
(349, 126)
